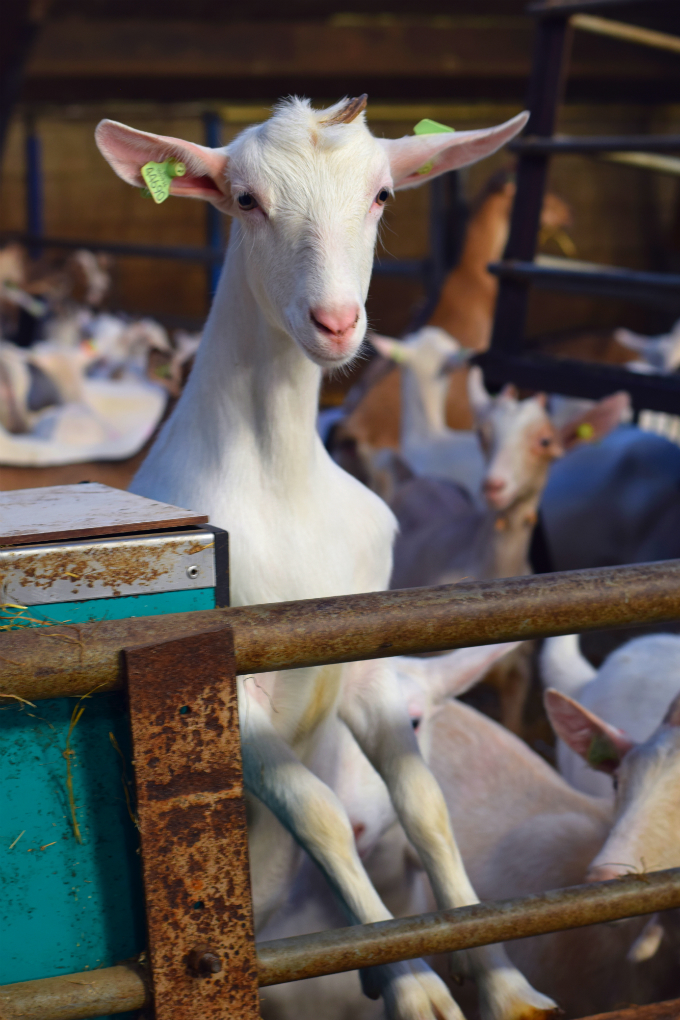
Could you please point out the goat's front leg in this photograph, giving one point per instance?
(317, 820)
(374, 711)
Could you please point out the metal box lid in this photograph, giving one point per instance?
(60, 512)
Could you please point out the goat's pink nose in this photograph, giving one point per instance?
(492, 486)
(606, 872)
(335, 321)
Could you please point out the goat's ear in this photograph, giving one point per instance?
(448, 676)
(672, 716)
(603, 418)
(602, 746)
(478, 394)
(127, 150)
(393, 350)
(509, 391)
(416, 159)
(457, 359)
(634, 341)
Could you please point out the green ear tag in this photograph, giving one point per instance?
(585, 431)
(430, 127)
(602, 752)
(158, 177)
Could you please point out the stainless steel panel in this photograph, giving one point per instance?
(107, 568)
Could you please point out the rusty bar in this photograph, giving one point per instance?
(367, 945)
(76, 996)
(117, 989)
(192, 819)
(59, 661)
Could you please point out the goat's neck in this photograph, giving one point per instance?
(509, 538)
(252, 389)
(423, 407)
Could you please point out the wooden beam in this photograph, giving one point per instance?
(75, 47)
(406, 58)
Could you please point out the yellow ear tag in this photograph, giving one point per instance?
(585, 431)
(430, 127)
(158, 177)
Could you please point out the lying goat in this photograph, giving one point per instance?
(306, 190)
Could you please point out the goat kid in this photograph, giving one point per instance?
(457, 539)
(427, 445)
(306, 191)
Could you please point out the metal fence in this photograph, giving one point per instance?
(315, 632)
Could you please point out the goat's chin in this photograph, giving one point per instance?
(330, 354)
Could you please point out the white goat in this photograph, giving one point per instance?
(522, 830)
(444, 536)
(630, 691)
(429, 447)
(306, 190)
(425, 684)
(659, 353)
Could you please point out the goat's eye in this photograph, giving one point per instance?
(382, 196)
(546, 441)
(247, 201)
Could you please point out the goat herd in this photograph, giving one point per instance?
(359, 775)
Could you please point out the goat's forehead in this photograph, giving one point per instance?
(295, 147)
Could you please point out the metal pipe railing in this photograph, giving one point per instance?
(66, 660)
(118, 989)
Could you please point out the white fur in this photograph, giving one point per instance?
(522, 830)
(427, 444)
(242, 445)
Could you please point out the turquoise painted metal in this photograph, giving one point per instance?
(72, 901)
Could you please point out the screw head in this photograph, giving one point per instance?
(203, 962)
(193, 571)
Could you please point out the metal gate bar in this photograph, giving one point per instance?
(445, 931)
(121, 988)
(63, 660)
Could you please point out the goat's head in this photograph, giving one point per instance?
(645, 835)
(518, 439)
(306, 189)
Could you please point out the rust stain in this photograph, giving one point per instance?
(187, 754)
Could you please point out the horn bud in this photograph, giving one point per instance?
(347, 113)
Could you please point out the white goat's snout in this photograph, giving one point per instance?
(494, 490)
(336, 321)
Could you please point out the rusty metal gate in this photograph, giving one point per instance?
(180, 672)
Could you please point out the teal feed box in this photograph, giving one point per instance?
(70, 880)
